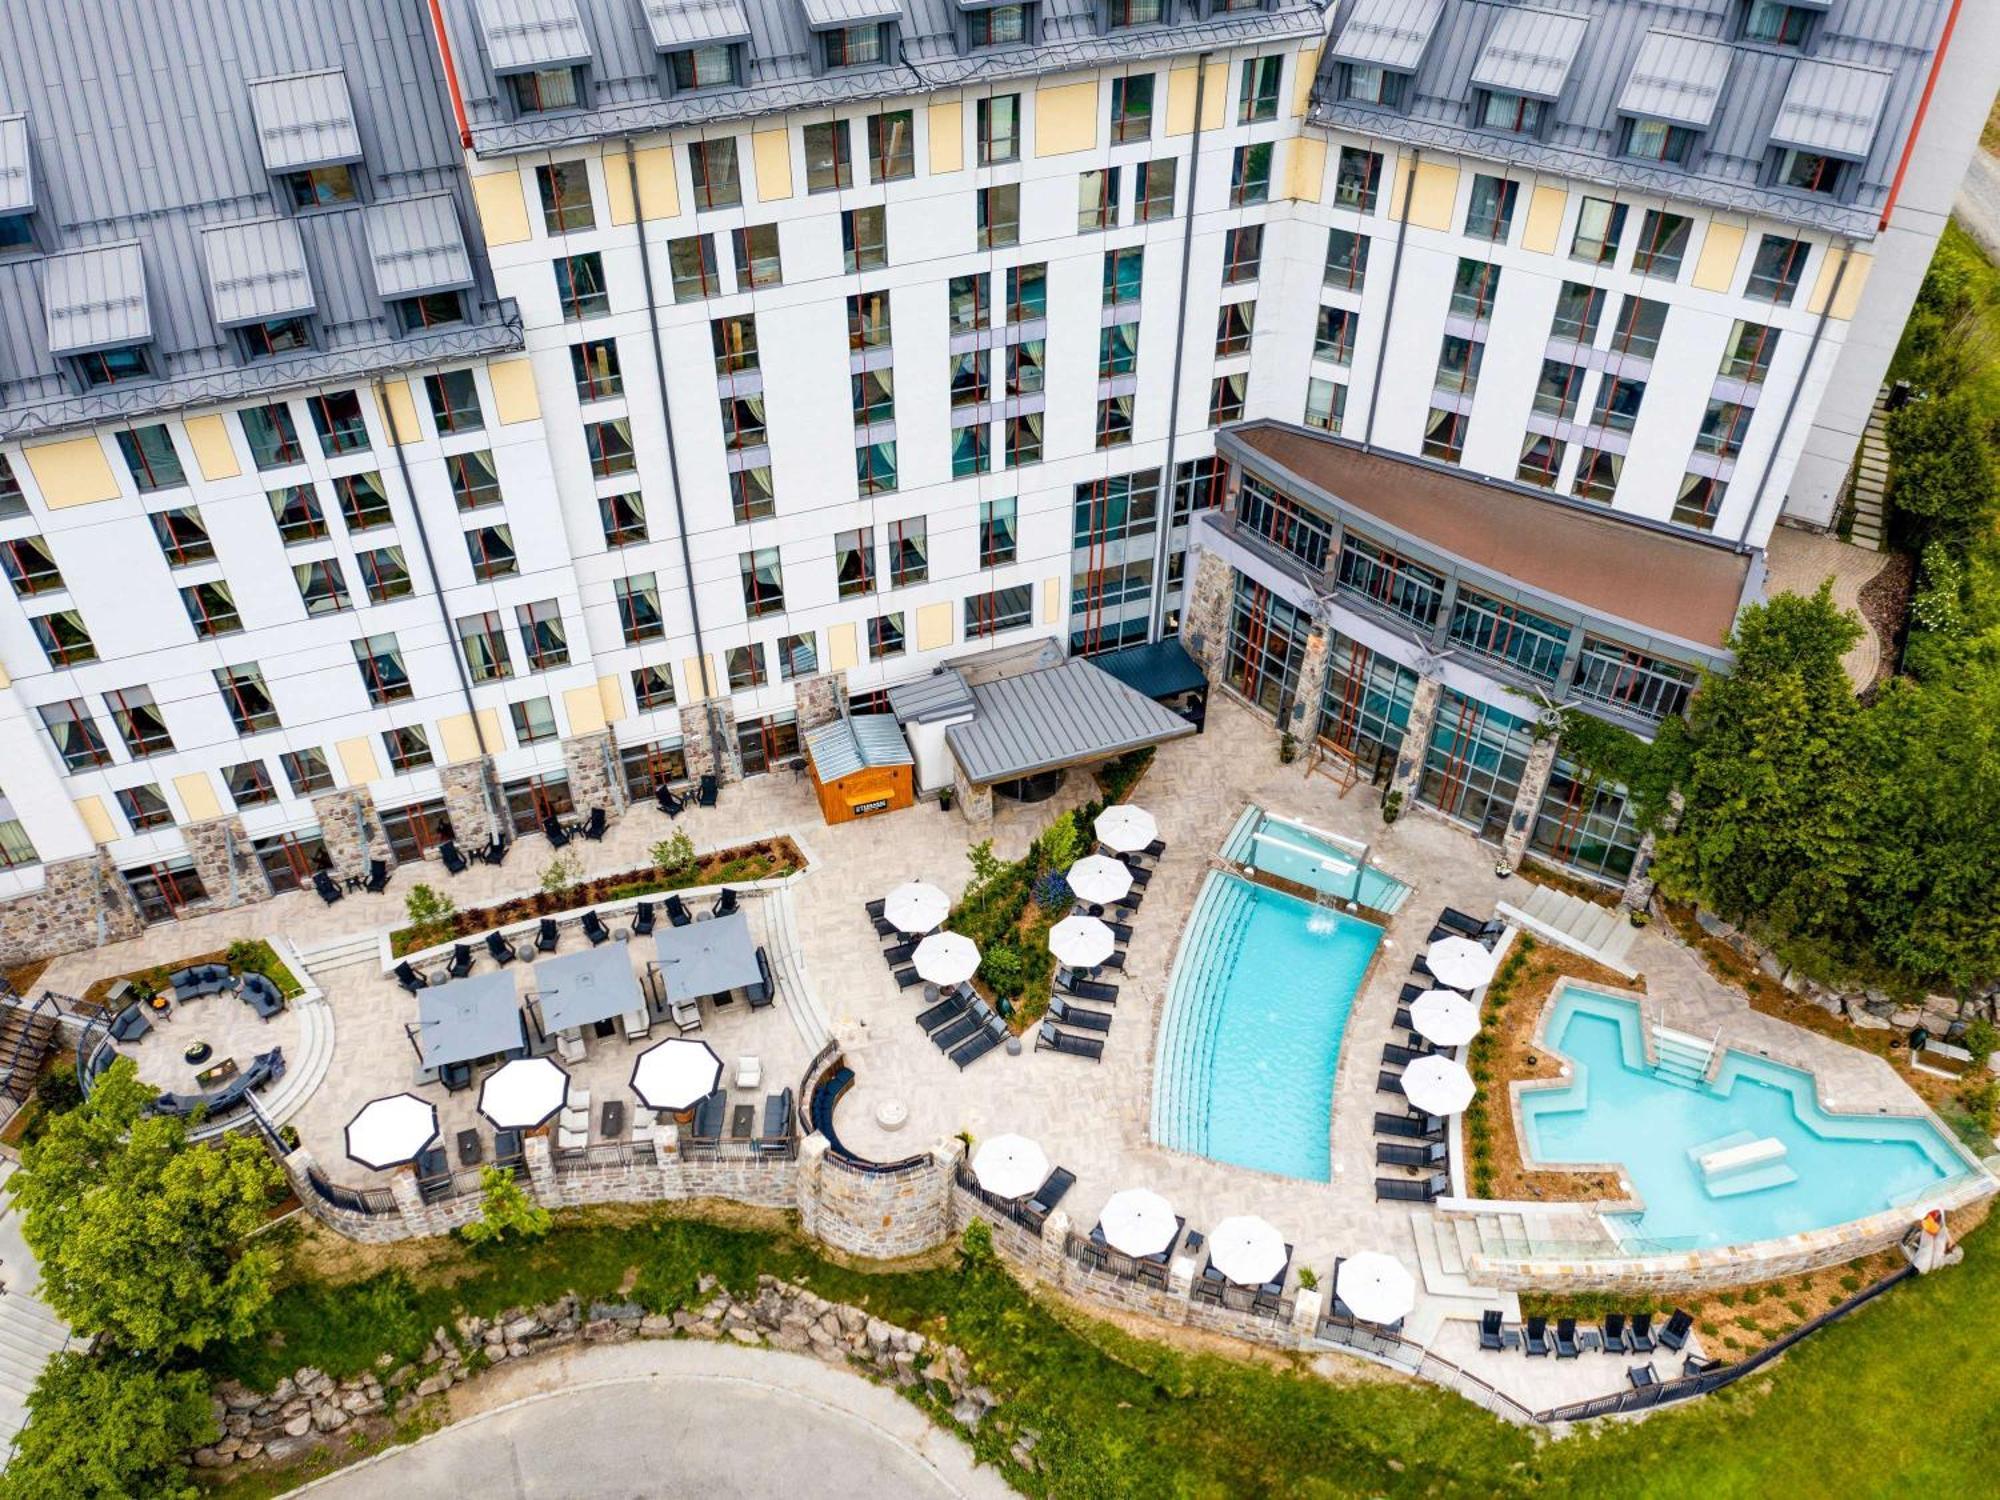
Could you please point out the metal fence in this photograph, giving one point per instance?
(368, 1201)
(1106, 1261)
(1015, 1210)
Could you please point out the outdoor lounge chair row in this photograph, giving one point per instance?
(1452, 922)
(963, 1026)
(1616, 1335)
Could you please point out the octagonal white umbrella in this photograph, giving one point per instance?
(1375, 1287)
(1125, 828)
(1247, 1250)
(1445, 1017)
(1081, 942)
(915, 906)
(1139, 1222)
(524, 1093)
(1460, 962)
(1098, 879)
(1437, 1085)
(677, 1074)
(946, 958)
(1010, 1166)
(388, 1132)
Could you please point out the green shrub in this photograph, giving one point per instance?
(560, 873)
(1003, 969)
(433, 916)
(675, 855)
(506, 1212)
(976, 1243)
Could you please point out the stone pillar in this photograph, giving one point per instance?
(117, 911)
(352, 833)
(1416, 739)
(541, 1166)
(1305, 1315)
(469, 800)
(820, 699)
(1303, 721)
(592, 762)
(1180, 1287)
(220, 850)
(975, 803)
(1639, 884)
(812, 1165)
(699, 746)
(1056, 1264)
(78, 896)
(1528, 800)
(1205, 619)
(409, 1202)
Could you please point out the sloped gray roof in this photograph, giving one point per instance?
(1676, 78)
(416, 246)
(1831, 107)
(841, 747)
(1530, 51)
(1388, 33)
(96, 299)
(1056, 716)
(942, 695)
(524, 35)
(680, 24)
(305, 120)
(17, 175)
(257, 271)
(824, 14)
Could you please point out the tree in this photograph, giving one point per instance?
(140, 1232)
(1942, 485)
(674, 856)
(109, 1427)
(433, 916)
(505, 1212)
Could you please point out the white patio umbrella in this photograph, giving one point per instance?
(946, 958)
(1099, 879)
(1437, 1085)
(1460, 962)
(1081, 942)
(1126, 828)
(1445, 1017)
(1247, 1250)
(1375, 1287)
(677, 1074)
(524, 1093)
(916, 907)
(1010, 1166)
(388, 1132)
(1138, 1221)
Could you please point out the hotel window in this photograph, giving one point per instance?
(609, 445)
(827, 168)
(751, 497)
(652, 687)
(1490, 213)
(1226, 397)
(163, 891)
(1250, 175)
(594, 363)
(408, 748)
(874, 396)
(1257, 96)
(1023, 438)
(338, 421)
(909, 552)
(853, 46)
(691, 263)
(999, 216)
(1267, 646)
(854, 562)
(1722, 428)
(647, 768)
(623, 517)
(868, 320)
(1747, 356)
(1365, 703)
(1516, 114)
(145, 808)
(766, 742)
(362, 501)
(1097, 199)
(996, 531)
(1586, 823)
(322, 187)
(544, 91)
(272, 436)
(1198, 485)
(638, 601)
(864, 238)
(379, 658)
(1503, 631)
(1648, 686)
(247, 698)
(758, 263)
(704, 67)
(1002, 609)
(1618, 401)
(580, 286)
(1776, 23)
(1027, 293)
(322, 589)
(892, 155)
(274, 337)
(1364, 83)
(1444, 435)
(967, 303)
(1025, 362)
(1333, 340)
(885, 636)
(1663, 243)
(1774, 275)
(763, 582)
(1578, 308)
(249, 784)
(432, 310)
(1358, 180)
(1474, 763)
(211, 609)
(491, 549)
(544, 641)
(734, 341)
(1599, 227)
(1597, 475)
(875, 468)
(1114, 421)
(1541, 460)
(1638, 327)
(1242, 256)
(1125, 13)
(969, 384)
(115, 366)
(743, 423)
(75, 735)
(998, 120)
(139, 722)
(565, 189)
(798, 656)
(970, 450)
(1326, 404)
(1458, 364)
(1233, 324)
(1698, 500)
(149, 454)
(744, 666)
(534, 721)
(1132, 108)
(1656, 140)
(1153, 195)
(30, 567)
(473, 481)
(1557, 389)
(713, 174)
(1303, 533)
(384, 574)
(63, 637)
(996, 26)
(307, 770)
(1124, 275)
(1474, 289)
(13, 503)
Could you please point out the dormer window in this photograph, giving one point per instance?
(434, 310)
(99, 318)
(1365, 83)
(1516, 114)
(422, 268)
(705, 43)
(115, 366)
(1826, 126)
(1656, 140)
(15, 233)
(852, 33)
(1811, 172)
(1524, 67)
(278, 336)
(1778, 23)
(259, 287)
(704, 68)
(1380, 46)
(17, 185)
(539, 50)
(1671, 96)
(853, 46)
(545, 91)
(1121, 15)
(306, 130)
(322, 187)
(997, 26)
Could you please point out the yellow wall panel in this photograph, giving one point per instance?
(72, 472)
(399, 413)
(357, 760)
(1215, 97)
(459, 740)
(1435, 195)
(698, 677)
(5, 680)
(213, 452)
(585, 707)
(1852, 280)
(503, 208)
(1052, 601)
(1183, 83)
(947, 126)
(611, 698)
(198, 796)
(840, 649)
(772, 150)
(1545, 219)
(1065, 118)
(659, 191)
(513, 391)
(96, 820)
(1853, 284)
(934, 625)
(1308, 169)
(1304, 66)
(1721, 248)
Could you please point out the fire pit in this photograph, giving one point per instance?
(197, 1053)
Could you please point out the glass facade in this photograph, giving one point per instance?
(1586, 825)
(1473, 765)
(1267, 645)
(1364, 706)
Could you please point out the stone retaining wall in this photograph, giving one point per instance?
(882, 1215)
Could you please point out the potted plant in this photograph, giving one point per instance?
(944, 799)
(1392, 805)
(1288, 748)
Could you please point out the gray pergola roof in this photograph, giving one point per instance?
(1058, 716)
(592, 984)
(843, 746)
(468, 1019)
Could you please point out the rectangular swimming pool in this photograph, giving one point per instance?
(1310, 857)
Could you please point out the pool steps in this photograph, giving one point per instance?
(1681, 1058)
(1215, 934)
(1743, 1162)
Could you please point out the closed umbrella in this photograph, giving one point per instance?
(1375, 1287)
(676, 1075)
(1437, 1085)
(946, 958)
(915, 907)
(1247, 1250)
(1081, 942)
(1010, 1166)
(524, 1094)
(1444, 1017)
(388, 1132)
(1099, 879)
(1460, 962)
(1139, 1222)
(1126, 828)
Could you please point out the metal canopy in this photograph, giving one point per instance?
(417, 247)
(1833, 108)
(841, 747)
(1530, 51)
(678, 25)
(942, 695)
(525, 36)
(257, 272)
(96, 299)
(1389, 34)
(825, 15)
(1056, 716)
(707, 957)
(1676, 78)
(575, 989)
(305, 120)
(468, 1019)
(17, 175)
(1159, 669)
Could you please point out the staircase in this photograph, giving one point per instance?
(1602, 933)
(28, 1033)
(1680, 1058)
(1871, 477)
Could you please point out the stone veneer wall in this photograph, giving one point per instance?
(975, 803)
(882, 1215)
(77, 895)
(351, 830)
(698, 746)
(469, 800)
(220, 850)
(819, 700)
(1205, 622)
(594, 781)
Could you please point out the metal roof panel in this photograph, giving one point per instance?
(305, 120)
(841, 747)
(1530, 51)
(416, 247)
(1056, 716)
(525, 36)
(1676, 78)
(257, 272)
(680, 24)
(824, 15)
(1832, 107)
(1388, 33)
(942, 695)
(96, 299)
(17, 175)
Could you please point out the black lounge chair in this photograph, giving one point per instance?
(262, 996)
(1412, 1189)
(1389, 1083)
(707, 791)
(1141, 876)
(1432, 1154)
(594, 826)
(677, 912)
(643, 919)
(546, 936)
(969, 1053)
(1455, 921)
(594, 929)
(725, 904)
(1114, 960)
(454, 862)
(906, 979)
(1095, 991)
(1694, 1364)
(1410, 993)
(1156, 848)
(554, 832)
(1613, 1332)
(1403, 1020)
(1566, 1338)
(1047, 1196)
(324, 884)
(1083, 1020)
(964, 1028)
(899, 953)
(131, 1024)
(1400, 1057)
(1492, 1335)
(378, 877)
(763, 992)
(1639, 1337)
(1643, 1377)
(1410, 1127)
(1675, 1335)
(1120, 932)
(884, 928)
(1048, 1038)
(1535, 1342)
(942, 1014)
(498, 950)
(876, 908)
(669, 804)
(777, 1133)
(409, 978)
(461, 961)
(433, 1174)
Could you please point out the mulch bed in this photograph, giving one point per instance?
(1885, 607)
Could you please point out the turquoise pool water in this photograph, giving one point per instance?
(1700, 1154)
(1255, 1011)
(1311, 858)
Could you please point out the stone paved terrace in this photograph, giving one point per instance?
(1091, 1119)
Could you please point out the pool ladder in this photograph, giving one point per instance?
(1681, 1058)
